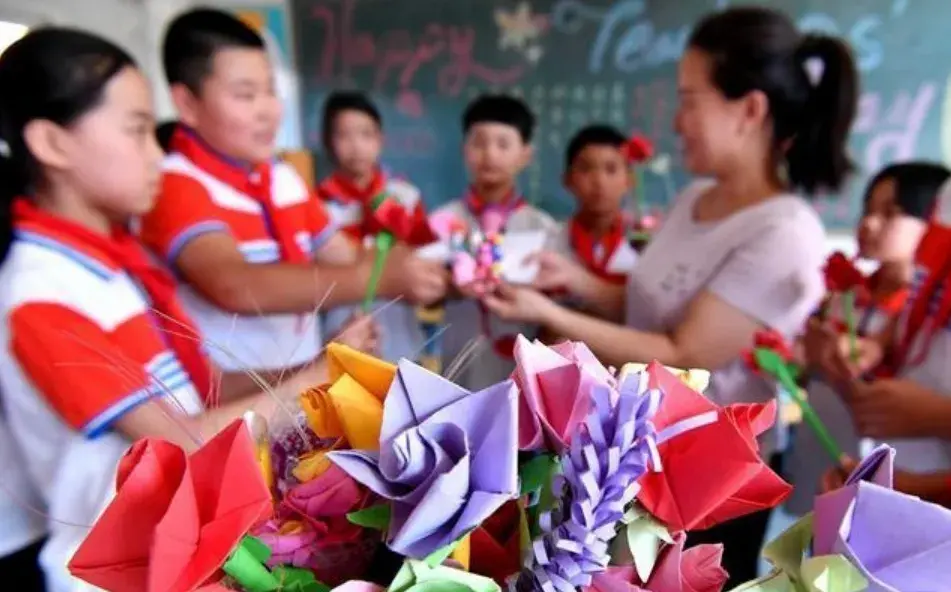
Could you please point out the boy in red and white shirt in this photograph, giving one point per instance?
(353, 140)
(255, 249)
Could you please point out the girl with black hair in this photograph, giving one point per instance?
(99, 351)
(764, 115)
(898, 202)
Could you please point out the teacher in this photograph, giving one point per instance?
(764, 114)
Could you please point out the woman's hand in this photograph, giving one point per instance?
(361, 332)
(519, 304)
(557, 272)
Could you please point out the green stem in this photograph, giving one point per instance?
(384, 242)
(848, 306)
(811, 418)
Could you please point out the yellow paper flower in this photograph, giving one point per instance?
(351, 406)
(695, 378)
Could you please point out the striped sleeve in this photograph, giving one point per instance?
(320, 225)
(82, 371)
(184, 211)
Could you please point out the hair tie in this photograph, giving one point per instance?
(814, 67)
(5, 151)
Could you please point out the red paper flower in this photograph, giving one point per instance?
(638, 149)
(841, 274)
(175, 518)
(712, 473)
(495, 545)
(769, 339)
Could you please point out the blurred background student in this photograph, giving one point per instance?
(741, 251)
(898, 203)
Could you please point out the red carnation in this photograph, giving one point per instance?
(638, 149)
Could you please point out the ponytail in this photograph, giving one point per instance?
(818, 158)
(12, 185)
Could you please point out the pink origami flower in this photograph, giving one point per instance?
(694, 570)
(555, 385)
(314, 532)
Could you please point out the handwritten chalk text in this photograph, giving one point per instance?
(628, 40)
(399, 57)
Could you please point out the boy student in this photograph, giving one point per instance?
(598, 175)
(497, 147)
(252, 245)
(353, 140)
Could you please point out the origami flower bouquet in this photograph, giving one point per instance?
(569, 476)
(862, 537)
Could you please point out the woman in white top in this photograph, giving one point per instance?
(764, 113)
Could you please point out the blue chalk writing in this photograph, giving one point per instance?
(628, 40)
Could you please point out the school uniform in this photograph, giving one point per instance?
(22, 525)
(467, 319)
(350, 210)
(808, 460)
(610, 257)
(84, 347)
(272, 216)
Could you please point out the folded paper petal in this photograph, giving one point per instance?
(696, 378)
(713, 473)
(417, 576)
(175, 519)
(358, 586)
(351, 406)
(496, 544)
(697, 569)
(555, 385)
(447, 458)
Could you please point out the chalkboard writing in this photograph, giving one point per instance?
(577, 62)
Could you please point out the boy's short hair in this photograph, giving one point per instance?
(193, 38)
(917, 184)
(502, 109)
(164, 132)
(592, 135)
(346, 100)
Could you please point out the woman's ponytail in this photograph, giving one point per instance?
(818, 155)
(12, 184)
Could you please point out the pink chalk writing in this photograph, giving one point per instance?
(412, 142)
(398, 57)
(891, 127)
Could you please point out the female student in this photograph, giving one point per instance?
(764, 113)
(98, 350)
(898, 202)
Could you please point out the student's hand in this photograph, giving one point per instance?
(891, 408)
(835, 477)
(361, 332)
(819, 344)
(556, 272)
(519, 304)
(419, 280)
(835, 356)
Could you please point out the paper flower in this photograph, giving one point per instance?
(599, 471)
(896, 541)
(713, 473)
(496, 544)
(842, 275)
(314, 531)
(447, 458)
(358, 586)
(351, 407)
(696, 378)
(695, 570)
(797, 570)
(417, 576)
(638, 149)
(175, 518)
(555, 385)
(398, 210)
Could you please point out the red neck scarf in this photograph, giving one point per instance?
(929, 304)
(478, 206)
(596, 254)
(253, 181)
(342, 189)
(124, 251)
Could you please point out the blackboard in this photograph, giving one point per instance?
(581, 61)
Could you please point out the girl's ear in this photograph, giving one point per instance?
(49, 143)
